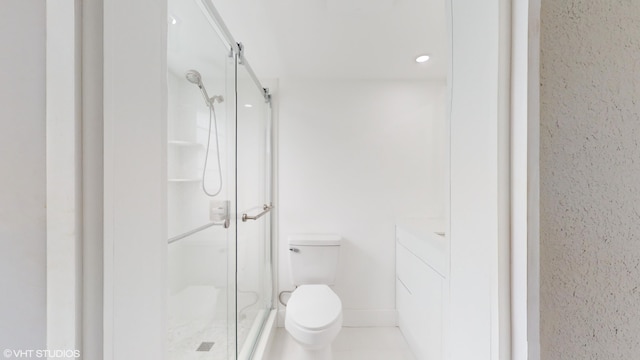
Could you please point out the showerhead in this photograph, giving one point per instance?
(194, 77)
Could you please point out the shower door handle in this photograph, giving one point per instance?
(265, 209)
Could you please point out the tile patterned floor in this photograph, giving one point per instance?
(200, 315)
(371, 343)
(184, 340)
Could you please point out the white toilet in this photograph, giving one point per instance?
(314, 311)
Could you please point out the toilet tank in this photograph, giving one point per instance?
(313, 258)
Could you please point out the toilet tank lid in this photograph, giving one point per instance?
(315, 239)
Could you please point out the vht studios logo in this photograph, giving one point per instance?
(41, 354)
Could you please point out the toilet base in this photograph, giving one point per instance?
(302, 353)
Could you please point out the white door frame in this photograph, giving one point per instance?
(128, 115)
(525, 179)
(64, 175)
(130, 212)
(494, 180)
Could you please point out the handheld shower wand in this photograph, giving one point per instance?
(194, 77)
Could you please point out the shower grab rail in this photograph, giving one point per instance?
(196, 230)
(265, 209)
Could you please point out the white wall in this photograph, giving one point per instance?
(22, 184)
(479, 297)
(590, 180)
(354, 156)
(135, 187)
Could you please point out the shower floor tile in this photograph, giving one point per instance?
(353, 343)
(190, 337)
(198, 315)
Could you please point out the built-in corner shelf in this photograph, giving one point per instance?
(181, 170)
(188, 144)
(184, 180)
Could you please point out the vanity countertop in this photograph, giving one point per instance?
(422, 226)
(425, 238)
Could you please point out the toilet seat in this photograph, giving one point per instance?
(314, 307)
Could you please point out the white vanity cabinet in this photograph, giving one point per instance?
(421, 280)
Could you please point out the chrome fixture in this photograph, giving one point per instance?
(265, 209)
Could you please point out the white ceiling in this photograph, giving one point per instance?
(353, 39)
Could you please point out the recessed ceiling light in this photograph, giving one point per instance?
(422, 58)
(172, 20)
(248, 105)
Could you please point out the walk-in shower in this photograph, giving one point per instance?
(219, 220)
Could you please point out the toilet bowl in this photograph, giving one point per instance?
(314, 319)
(314, 311)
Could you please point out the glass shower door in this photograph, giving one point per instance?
(201, 189)
(219, 192)
(253, 244)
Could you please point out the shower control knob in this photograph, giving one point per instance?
(295, 250)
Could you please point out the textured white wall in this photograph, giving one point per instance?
(354, 155)
(590, 180)
(22, 183)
